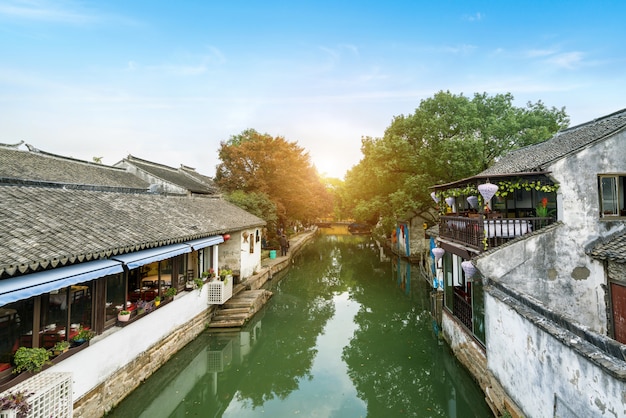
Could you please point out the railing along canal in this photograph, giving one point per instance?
(482, 233)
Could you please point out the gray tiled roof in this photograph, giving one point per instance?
(537, 157)
(44, 226)
(40, 166)
(184, 177)
(613, 249)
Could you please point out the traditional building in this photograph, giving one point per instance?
(533, 277)
(81, 242)
(168, 180)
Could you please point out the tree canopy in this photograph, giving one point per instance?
(274, 167)
(449, 137)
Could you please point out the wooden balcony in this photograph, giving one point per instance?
(482, 233)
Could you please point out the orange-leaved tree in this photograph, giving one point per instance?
(259, 163)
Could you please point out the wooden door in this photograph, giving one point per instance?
(618, 301)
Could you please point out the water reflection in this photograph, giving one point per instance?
(345, 335)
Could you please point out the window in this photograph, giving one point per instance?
(115, 294)
(611, 195)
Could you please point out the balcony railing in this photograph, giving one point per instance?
(482, 232)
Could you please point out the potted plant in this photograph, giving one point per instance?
(198, 283)
(157, 301)
(60, 347)
(123, 315)
(142, 307)
(225, 272)
(83, 336)
(15, 402)
(170, 293)
(30, 359)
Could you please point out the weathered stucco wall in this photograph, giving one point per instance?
(552, 265)
(544, 368)
(472, 356)
(570, 284)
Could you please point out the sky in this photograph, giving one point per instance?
(167, 81)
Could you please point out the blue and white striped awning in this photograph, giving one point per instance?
(198, 244)
(35, 284)
(141, 258)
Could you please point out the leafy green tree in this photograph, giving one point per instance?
(449, 137)
(259, 163)
(257, 203)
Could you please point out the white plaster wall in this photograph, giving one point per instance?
(250, 262)
(235, 253)
(119, 346)
(458, 338)
(535, 368)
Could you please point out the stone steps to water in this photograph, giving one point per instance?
(244, 304)
(234, 311)
(238, 310)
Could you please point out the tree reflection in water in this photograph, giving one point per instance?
(339, 338)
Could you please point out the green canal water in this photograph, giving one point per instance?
(348, 333)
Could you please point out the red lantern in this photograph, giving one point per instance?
(226, 237)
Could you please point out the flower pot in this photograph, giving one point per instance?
(123, 318)
(59, 352)
(157, 302)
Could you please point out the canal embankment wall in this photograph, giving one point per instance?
(119, 360)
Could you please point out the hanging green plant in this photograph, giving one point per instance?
(468, 190)
(506, 187)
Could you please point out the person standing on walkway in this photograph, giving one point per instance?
(284, 245)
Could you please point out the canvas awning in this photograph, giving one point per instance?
(35, 284)
(141, 258)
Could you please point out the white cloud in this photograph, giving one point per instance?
(191, 64)
(554, 57)
(43, 11)
(533, 53)
(569, 60)
(463, 49)
(61, 12)
(475, 17)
